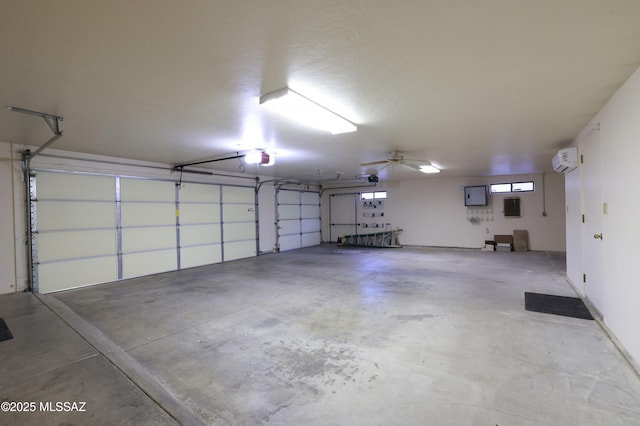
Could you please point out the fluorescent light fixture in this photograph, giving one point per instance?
(259, 157)
(429, 168)
(304, 110)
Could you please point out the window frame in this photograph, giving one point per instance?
(376, 195)
(511, 184)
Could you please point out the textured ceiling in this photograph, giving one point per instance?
(481, 87)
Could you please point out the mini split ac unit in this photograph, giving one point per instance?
(565, 160)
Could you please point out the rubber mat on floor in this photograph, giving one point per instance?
(5, 334)
(557, 305)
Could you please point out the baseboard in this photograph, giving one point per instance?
(598, 317)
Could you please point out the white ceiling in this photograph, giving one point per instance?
(484, 87)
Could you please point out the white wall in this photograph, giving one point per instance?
(620, 151)
(431, 212)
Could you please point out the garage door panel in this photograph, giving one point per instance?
(235, 194)
(147, 190)
(76, 244)
(343, 209)
(288, 211)
(310, 198)
(288, 197)
(59, 215)
(199, 234)
(311, 239)
(199, 213)
(199, 193)
(239, 250)
(298, 212)
(310, 225)
(64, 186)
(239, 231)
(139, 239)
(201, 255)
(139, 264)
(310, 212)
(144, 214)
(288, 227)
(64, 275)
(238, 213)
(289, 242)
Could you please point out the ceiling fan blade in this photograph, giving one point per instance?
(374, 163)
(385, 166)
(411, 165)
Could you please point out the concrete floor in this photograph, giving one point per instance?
(324, 335)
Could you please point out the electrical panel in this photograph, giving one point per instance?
(476, 195)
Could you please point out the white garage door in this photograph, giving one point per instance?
(75, 240)
(148, 227)
(238, 222)
(90, 229)
(298, 219)
(200, 225)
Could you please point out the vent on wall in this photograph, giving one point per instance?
(512, 207)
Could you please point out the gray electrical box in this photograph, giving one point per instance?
(475, 195)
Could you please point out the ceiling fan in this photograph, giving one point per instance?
(423, 166)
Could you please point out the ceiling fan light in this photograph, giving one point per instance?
(304, 110)
(429, 168)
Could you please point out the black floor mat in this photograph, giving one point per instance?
(5, 334)
(557, 305)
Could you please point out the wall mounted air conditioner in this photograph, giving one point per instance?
(565, 160)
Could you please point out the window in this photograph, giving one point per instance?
(367, 196)
(378, 195)
(513, 187)
(501, 187)
(522, 186)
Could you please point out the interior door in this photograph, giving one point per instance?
(592, 237)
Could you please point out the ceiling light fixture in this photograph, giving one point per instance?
(259, 157)
(429, 168)
(304, 110)
(270, 162)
